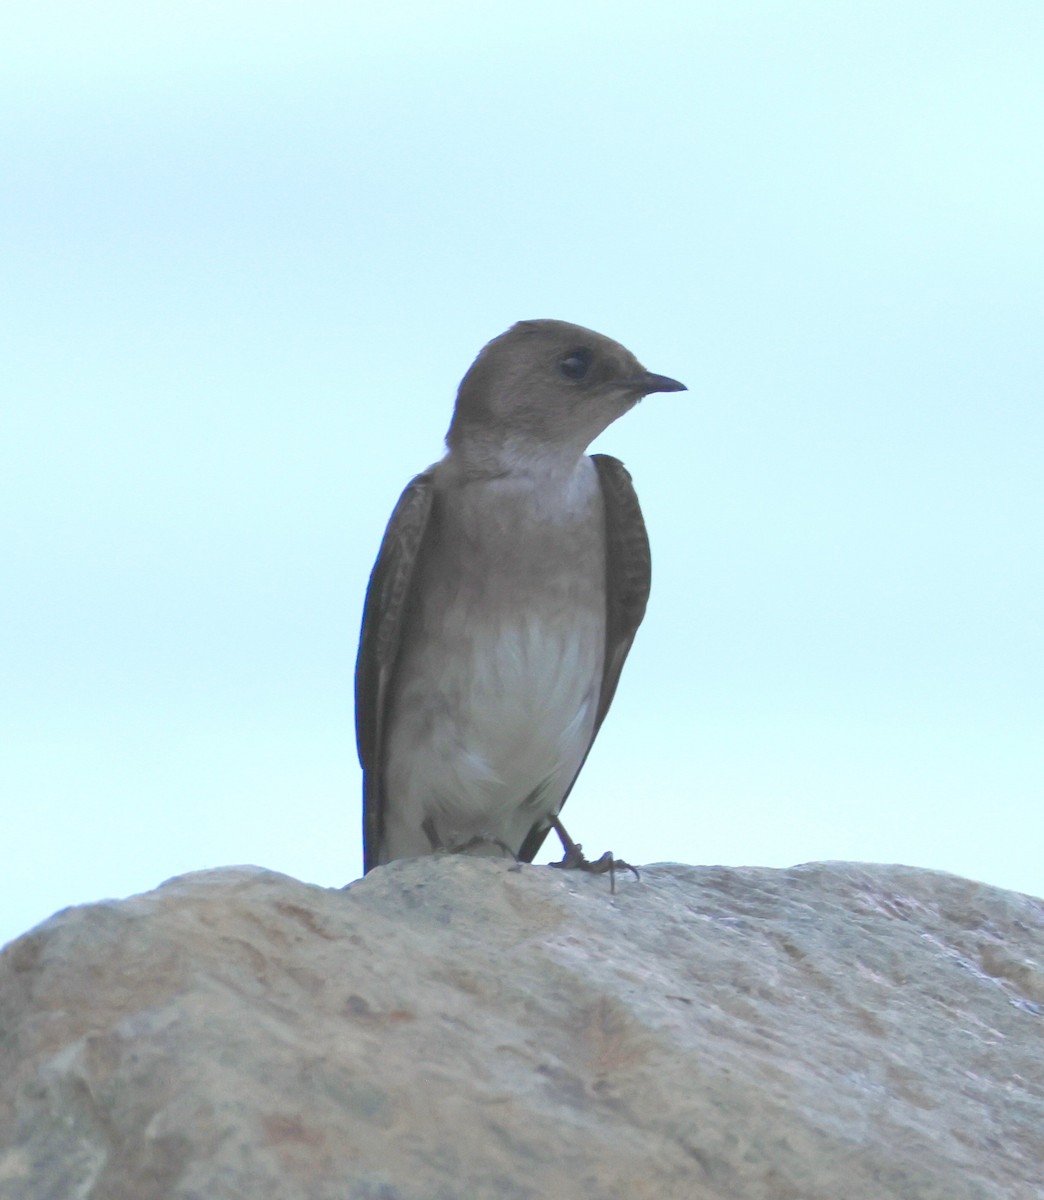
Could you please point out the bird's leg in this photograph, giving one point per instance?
(573, 858)
(432, 834)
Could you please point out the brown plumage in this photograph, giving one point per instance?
(509, 586)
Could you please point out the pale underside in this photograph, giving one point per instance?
(497, 689)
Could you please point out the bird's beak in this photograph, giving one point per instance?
(647, 383)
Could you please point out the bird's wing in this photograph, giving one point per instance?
(628, 569)
(387, 602)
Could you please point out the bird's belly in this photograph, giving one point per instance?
(525, 695)
(491, 726)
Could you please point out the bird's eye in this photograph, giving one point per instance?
(576, 363)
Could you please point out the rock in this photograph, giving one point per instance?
(457, 1028)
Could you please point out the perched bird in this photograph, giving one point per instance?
(509, 586)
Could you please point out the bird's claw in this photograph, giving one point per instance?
(573, 860)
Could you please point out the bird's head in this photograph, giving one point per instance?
(549, 384)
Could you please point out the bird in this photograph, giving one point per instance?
(510, 582)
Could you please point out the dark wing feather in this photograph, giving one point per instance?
(387, 601)
(628, 571)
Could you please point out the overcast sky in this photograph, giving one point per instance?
(250, 249)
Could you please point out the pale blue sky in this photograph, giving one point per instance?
(250, 249)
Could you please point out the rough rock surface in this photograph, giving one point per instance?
(455, 1028)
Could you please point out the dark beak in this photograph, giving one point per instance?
(649, 383)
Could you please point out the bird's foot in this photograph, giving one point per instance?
(573, 860)
(438, 846)
(482, 839)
